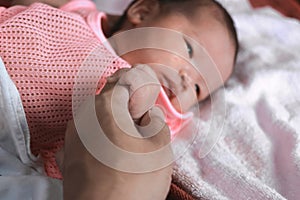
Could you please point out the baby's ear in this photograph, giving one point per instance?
(142, 10)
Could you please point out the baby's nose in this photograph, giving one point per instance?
(185, 78)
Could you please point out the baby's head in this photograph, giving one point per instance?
(204, 21)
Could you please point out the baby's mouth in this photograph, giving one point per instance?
(169, 92)
(167, 87)
(175, 120)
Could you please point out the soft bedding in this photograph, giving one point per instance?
(258, 153)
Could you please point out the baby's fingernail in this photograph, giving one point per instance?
(111, 79)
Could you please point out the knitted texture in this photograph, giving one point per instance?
(43, 49)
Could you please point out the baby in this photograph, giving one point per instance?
(44, 47)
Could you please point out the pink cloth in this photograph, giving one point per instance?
(43, 49)
(43, 55)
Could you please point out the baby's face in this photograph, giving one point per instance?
(185, 84)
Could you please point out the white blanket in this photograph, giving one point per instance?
(258, 154)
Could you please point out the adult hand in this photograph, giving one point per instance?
(85, 177)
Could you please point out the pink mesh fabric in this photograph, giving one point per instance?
(43, 48)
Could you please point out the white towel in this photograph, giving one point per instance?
(258, 154)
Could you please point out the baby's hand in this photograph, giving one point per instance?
(86, 177)
(143, 86)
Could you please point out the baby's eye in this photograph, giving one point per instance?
(189, 49)
(197, 89)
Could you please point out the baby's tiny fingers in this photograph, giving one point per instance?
(116, 76)
(138, 77)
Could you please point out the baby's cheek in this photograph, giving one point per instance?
(206, 92)
(184, 100)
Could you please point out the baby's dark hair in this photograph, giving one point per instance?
(220, 13)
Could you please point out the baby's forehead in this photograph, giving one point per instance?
(211, 11)
(204, 10)
(216, 11)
